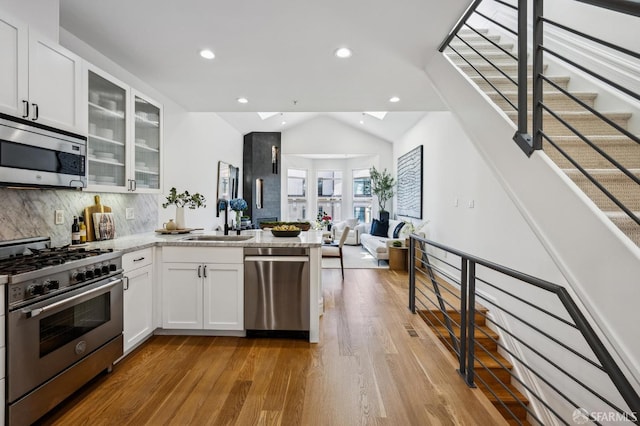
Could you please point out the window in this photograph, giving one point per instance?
(330, 193)
(297, 194)
(362, 195)
(361, 183)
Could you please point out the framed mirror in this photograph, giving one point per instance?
(228, 178)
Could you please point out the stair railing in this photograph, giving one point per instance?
(542, 112)
(561, 364)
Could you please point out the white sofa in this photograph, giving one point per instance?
(379, 246)
(353, 239)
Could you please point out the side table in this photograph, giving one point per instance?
(398, 258)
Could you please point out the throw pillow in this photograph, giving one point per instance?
(396, 231)
(379, 228)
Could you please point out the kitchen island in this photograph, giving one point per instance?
(197, 282)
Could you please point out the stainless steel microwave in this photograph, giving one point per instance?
(32, 154)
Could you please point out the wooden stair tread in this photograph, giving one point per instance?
(504, 395)
(479, 332)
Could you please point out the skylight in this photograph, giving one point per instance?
(265, 115)
(380, 115)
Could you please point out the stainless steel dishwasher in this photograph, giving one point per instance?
(276, 289)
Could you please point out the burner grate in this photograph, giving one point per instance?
(42, 258)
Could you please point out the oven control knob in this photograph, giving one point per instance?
(113, 267)
(89, 274)
(80, 277)
(36, 289)
(51, 285)
(105, 269)
(97, 272)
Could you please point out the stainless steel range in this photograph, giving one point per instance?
(64, 322)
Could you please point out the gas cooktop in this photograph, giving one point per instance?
(36, 271)
(33, 259)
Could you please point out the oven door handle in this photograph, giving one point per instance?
(35, 312)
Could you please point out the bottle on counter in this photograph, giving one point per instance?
(83, 231)
(75, 231)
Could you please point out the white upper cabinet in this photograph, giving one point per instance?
(55, 85)
(124, 136)
(39, 80)
(14, 41)
(108, 135)
(147, 137)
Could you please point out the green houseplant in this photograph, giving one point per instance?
(182, 200)
(382, 185)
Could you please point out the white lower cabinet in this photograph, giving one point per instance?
(182, 296)
(223, 296)
(138, 297)
(199, 293)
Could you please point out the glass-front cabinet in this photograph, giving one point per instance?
(108, 129)
(124, 136)
(147, 133)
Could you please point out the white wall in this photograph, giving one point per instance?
(325, 135)
(453, 170)
(197, 141)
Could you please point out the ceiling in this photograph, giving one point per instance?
(278, 54)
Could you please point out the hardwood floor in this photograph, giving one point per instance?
(376, 364)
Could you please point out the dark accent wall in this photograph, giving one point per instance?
(257, 163)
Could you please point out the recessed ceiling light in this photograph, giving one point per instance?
(284, 122)
(343, 53)
(243, 100)
(207, 54)
(394, 99)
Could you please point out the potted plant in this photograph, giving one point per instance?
(382, 185)
(182, 200)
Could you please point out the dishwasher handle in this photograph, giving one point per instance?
(276, 258)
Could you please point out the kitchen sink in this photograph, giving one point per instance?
(218, 238)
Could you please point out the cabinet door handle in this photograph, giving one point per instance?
(138, 259)
(199, 269)
(36, 112)
(205, 271)
(126, 283)
(135, 184)
(25, 111)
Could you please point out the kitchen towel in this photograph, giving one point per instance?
(104, 225)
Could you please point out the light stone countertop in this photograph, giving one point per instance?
(260, 239)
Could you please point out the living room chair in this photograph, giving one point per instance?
(335, 250)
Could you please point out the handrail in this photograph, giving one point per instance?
(469, 280)
(628, 7)
(470, 10)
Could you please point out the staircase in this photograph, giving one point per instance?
(605, 137)
(489, 370)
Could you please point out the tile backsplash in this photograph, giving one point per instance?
(31, 212)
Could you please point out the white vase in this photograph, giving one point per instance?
(180, 218)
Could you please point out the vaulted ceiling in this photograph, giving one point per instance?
(279, 54)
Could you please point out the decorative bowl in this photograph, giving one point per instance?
(285, 233)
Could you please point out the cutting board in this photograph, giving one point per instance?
(88, 217)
